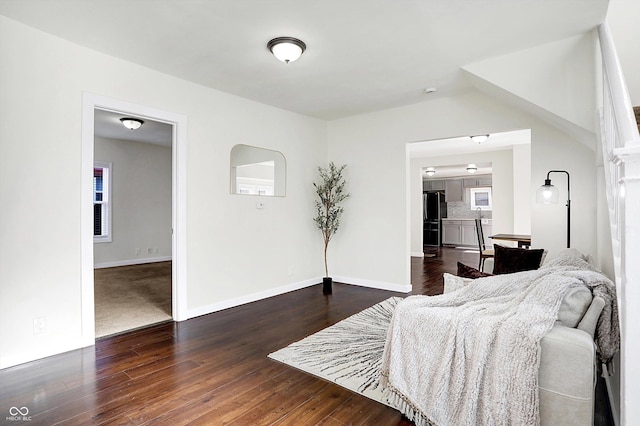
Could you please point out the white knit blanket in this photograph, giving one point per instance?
(471, 357)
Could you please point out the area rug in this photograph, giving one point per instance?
(348, 353)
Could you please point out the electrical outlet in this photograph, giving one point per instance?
(39, 325)
(138, 252)
(155, 250)
(149, 250)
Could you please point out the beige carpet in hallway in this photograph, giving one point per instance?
(129, 297)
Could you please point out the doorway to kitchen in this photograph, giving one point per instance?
(452, 182)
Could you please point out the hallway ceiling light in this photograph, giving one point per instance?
(479, 138)
(131, 123)
(286, 49)
(472, 168)
(430, 171)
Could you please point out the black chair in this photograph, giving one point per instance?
(484, 252)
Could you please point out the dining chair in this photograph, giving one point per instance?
(484, 252)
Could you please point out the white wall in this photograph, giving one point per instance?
(503, 189)
(375, 240)
(521, 181)
(548, 225)
(140, 202)
(622, 19)
(235, 251)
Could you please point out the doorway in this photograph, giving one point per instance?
(132, 222)
(91, 104)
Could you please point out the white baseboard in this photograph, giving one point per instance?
(401, 288)
(131, 262)
(242, 300)
(417, 254)
(45, 350)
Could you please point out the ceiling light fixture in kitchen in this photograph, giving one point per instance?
(479, 138)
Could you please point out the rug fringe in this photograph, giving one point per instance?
(400, 403)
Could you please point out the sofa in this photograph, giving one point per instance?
(519, 347)
(568, 358)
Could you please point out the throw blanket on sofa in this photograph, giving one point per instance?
(471, 357)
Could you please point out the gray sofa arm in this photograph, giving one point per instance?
(589, 321)
(566, 378)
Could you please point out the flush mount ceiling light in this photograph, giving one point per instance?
(430, 171)
(286, 49)
(131, 123)
(472, 168)
(479, 138)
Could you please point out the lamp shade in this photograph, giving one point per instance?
(286, 49)
(547, 193)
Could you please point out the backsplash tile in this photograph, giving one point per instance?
(462, 209)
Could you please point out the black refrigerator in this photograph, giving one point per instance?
(434, 209)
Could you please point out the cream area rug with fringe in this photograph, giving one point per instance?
(348, 353)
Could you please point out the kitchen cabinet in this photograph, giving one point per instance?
(468, 235)
(451, 232)
(453, 190)
(462, 232)
(432, 185)
(477, 181)
(485, 181)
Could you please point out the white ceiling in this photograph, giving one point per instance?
(464, 145)
(362, 55)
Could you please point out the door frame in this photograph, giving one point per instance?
(90, 102)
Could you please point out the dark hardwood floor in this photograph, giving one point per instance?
(212, 369)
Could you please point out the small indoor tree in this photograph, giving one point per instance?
(331, 194)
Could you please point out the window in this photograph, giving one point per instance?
(102, 202)
(481, 198)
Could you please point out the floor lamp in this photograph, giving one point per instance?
(548, 194)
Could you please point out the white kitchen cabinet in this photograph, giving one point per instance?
(468, 234)
(451, 232)
(462, 232)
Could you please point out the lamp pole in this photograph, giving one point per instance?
(568, 203)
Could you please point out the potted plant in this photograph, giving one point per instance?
(331, 194)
